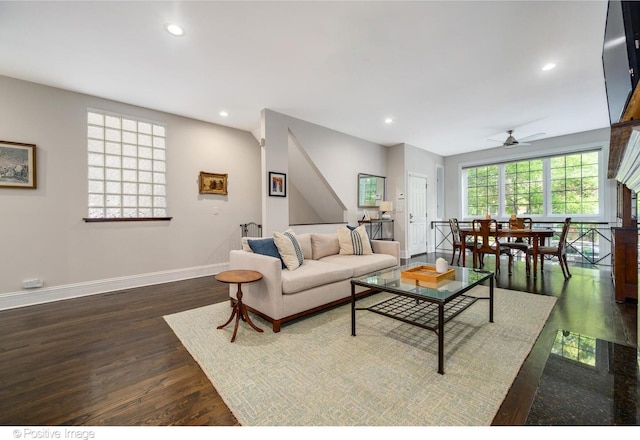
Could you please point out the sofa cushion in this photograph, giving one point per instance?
(323, 245)
(305, 244)
(362, 264)
(313, 274)
(265, 246)
(354, 242)
(289, 249)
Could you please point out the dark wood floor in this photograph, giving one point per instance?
(112, 360)
(585, 305)
(107, 360)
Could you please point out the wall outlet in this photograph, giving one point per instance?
(32, 284)
(216, 210)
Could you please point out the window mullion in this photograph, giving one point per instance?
(546, 186)
(502, 196)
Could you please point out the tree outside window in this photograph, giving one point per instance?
(524, 191)
(574, 184)
(519, 187)
(482, 191)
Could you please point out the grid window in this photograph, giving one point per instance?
(523, 187)
(561, 185)
(126, 167)
(574, 184)
(482, 191)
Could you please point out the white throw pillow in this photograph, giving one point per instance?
(323, 245)
(245, 244)
(354, 242)
(304, 240)
(289, 248)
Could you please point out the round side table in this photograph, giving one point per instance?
(239, 309)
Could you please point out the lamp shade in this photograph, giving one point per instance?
(386, 206)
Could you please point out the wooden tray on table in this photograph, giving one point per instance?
(428, 274)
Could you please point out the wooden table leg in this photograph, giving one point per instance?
(464, 251)
(535, 256)
(240, 312)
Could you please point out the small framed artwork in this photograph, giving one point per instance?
(211, 183)
(17, 165)
(277, 184)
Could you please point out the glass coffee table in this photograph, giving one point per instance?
(426, 304)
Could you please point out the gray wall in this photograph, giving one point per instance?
(338, 157)
(403, 160)
(44, 236)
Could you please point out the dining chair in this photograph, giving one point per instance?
(485, 241)
(559, 251)
(521, 223)
(457, 240)
(519, 245)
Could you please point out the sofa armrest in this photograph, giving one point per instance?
(386, 247)
(264, 295)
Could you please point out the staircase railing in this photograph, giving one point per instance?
(588, 243)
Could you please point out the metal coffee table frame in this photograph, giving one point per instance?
(426, 307)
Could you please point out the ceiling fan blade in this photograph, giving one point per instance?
(512, 142)
(531, 136)
(519, 144)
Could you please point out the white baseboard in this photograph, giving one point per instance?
(29, 297)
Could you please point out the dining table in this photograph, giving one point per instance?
(536, 235)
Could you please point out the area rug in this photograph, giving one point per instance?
(314, 373)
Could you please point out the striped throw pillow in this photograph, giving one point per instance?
(289, 248)
(354, 242)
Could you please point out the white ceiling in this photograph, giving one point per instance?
(451, 74)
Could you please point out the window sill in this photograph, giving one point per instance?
(126, 219)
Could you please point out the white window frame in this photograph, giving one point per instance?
(546, 158)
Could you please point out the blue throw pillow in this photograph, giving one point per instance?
(266, 246)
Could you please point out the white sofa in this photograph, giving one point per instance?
(323, 279)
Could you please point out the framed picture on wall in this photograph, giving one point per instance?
(17, 165)
(211, 183)
(277, 184)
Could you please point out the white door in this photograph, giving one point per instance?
(417, 210)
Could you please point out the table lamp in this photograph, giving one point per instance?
(385, 206)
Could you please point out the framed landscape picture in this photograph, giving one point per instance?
(277, 184)
(17, 165)
(212, 183)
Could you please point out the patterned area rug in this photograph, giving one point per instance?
(314, 373)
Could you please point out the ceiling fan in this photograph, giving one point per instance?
(511, 141)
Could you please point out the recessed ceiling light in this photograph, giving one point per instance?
(388, 121)
(224, 114)
(548, 66)
(174, 29)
